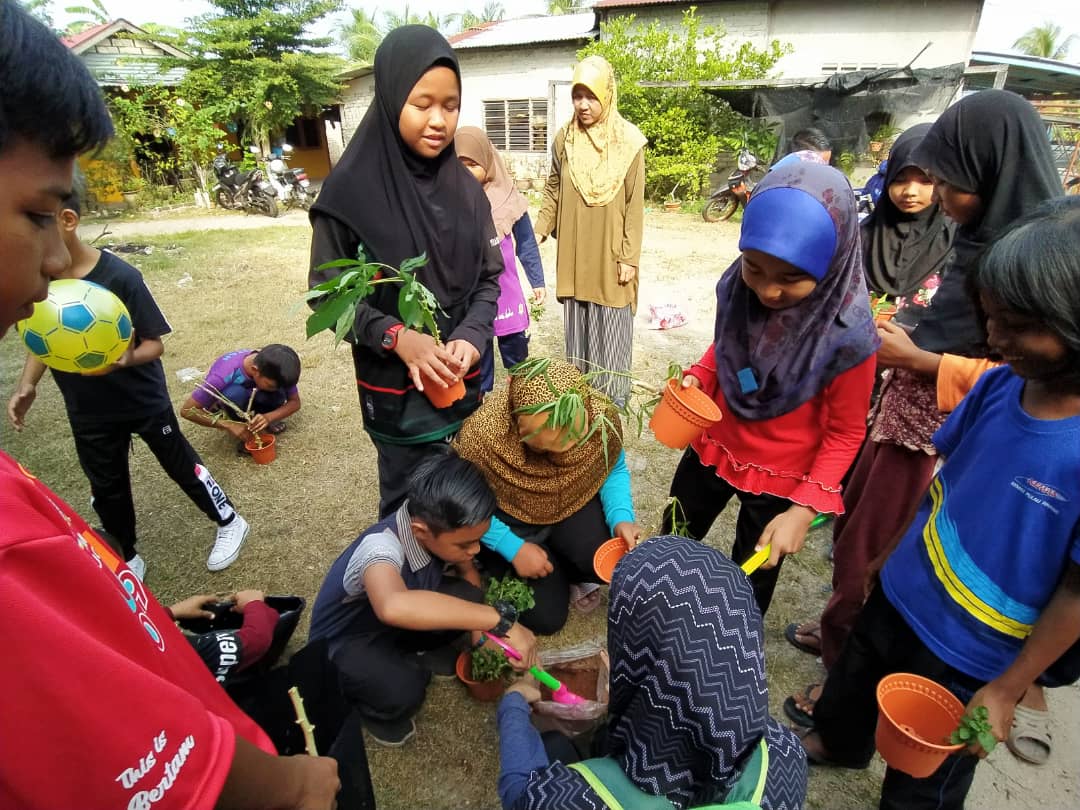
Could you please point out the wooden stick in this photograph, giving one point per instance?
(303, 722)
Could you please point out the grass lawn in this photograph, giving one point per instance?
(322, 489)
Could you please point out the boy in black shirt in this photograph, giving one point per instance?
(130, 396)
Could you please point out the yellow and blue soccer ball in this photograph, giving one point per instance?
(81, 327)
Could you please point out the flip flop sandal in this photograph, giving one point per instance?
(585, 598)
(1029, 738)
(797, 715)
(814, 759)
(792, 632)
(276, 427)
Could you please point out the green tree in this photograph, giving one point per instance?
(254, 64)
(1046, 41)
(396, 19)
(39, 9)
(557, 7)
(360, 36)
(492, 12)
(93, 14)
(686, 127)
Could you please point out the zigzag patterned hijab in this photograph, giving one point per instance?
(689, 699)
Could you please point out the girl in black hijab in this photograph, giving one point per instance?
(905, 241)
(400, 191)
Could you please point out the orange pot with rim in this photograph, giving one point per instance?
(263, 450)
(483, 691)
(682, 415)
(607, 557)
(915, 718)
(444, 397)
(884, 314)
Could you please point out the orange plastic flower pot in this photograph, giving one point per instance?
(915, 718)
(444, 397)
(682, 415)
(264, 454)
(483, 691)
(885, 314)
(607, 556)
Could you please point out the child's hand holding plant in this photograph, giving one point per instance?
(987, 720)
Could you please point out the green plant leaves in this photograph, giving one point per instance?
(510, 589)
(488, 664)
(975, 727)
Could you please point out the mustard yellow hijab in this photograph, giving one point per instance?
(599, 156)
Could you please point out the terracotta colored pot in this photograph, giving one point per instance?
(264, 454)
(483, 691)
(607, 556)
(672, 206)
(876, 146)
(915, 718)
(885, 314)
(682, 415)
(444, 397)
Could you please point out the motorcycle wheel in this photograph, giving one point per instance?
(720, 209)
(224, 200)
(307, 199)
(268, 205)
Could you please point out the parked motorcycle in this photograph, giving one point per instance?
(243, 191)
(292, 186)
(724, 202)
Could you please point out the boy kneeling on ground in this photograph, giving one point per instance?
(390, 612)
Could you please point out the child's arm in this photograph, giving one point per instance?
(256, 634)
(703, 372)
(956, 376)
(25, 391)
(291, 405)
(398, 606)
(529, 560)
(148, 350)
(194, 411)
(1057, 629)
(529, 254)
(521, 750)
(618, 503)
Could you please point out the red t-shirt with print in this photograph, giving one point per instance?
(106, 704)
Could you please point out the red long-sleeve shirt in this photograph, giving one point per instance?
(801, 455)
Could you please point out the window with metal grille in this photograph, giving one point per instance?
(517, 125)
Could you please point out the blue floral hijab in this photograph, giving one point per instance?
(689, 701)
(769, 362)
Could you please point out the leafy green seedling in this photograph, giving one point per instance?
(975, 727)
(488, 664)
(510, 589)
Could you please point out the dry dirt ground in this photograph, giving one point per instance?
(233, 288)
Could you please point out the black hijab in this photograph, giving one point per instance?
(397, 203)
(993, 144)
(900, 250)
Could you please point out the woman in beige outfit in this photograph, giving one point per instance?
(594, 205)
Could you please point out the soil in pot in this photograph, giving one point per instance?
(264, 454)
(444, 397)
(682, 415)
(915, 718)
(580, 677)
(483, 691)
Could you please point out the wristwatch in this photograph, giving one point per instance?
(508, 616)
(390, 336)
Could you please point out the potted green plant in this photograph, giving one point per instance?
(510, 589)
(339, 297)
(671, 204)
(483, 671)
(882, 308)
(881, 137)
(261, 446)
(679, 414)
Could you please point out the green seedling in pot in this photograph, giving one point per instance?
(339, 297)
(975, 727)
(488, 664)
(880, 304)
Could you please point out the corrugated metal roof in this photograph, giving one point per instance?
(78, 39)
(620, 3)
(526, 31)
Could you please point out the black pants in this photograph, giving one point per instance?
(570, 545)
(381, 674)
(513, 348)
(703, 495)
(880, 644)
(103, 450)
(397, 462)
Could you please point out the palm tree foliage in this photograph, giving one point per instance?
(1045, 40)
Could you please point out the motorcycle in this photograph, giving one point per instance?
(723, 203)
(292, 186)
(243, 191)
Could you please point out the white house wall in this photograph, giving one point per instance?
(852, 33)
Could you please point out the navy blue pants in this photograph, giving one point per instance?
(513, 349)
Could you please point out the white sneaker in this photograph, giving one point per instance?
(137, 566)
(230, 538)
